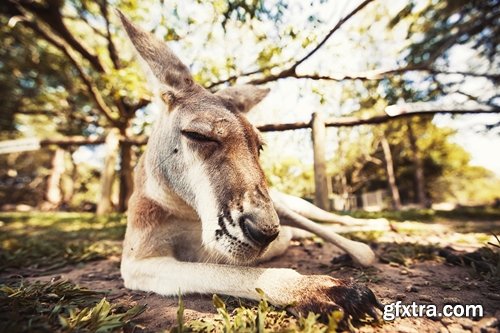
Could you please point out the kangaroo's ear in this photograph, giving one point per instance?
(164, 64)
(244, 97)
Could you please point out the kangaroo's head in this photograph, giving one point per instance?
(204, 149)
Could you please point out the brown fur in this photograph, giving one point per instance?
(201, 208)
(144, 213)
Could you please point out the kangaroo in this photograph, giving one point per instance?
(201, 212)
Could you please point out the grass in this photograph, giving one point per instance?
(59, 306)
(259, 318)
(430, 215)
(484, 262)
(406, 254)
(53, 240)
(47, 241)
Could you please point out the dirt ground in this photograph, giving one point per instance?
(427, 279)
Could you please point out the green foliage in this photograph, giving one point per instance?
(244, 10)
(127, 83)
(180, 317)
(47, 241)
(86, 187)
(260, 318)
(289, 175)
(268, 55)
(59, 306)
(100, 318)
(359, 162)
(470, 185)
(45, 93)
(433, 28)
(449, 175)
(39, 84)
(448, 23)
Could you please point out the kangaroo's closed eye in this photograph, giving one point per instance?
(195, 136)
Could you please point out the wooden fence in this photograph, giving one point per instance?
(317, 124)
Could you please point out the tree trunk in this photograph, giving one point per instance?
(70, 179)
(391, 178)
(105, 204)
(345, 193)
(320, 177)
(126, 177)
(54, 194)
(419, 176)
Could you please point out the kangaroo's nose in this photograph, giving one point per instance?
(261, 236)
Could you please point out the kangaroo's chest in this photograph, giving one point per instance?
(187, 245)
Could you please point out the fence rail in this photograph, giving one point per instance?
(317, 124)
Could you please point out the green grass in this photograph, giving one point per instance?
(259, 318)
(59, 306)
(46, 241)
(52, 240)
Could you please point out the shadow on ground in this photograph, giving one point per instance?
(414, 266)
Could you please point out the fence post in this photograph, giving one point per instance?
(320, 177)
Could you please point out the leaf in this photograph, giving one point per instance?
(218, 303)
(74, 308)
(333, 320)
(63, 321)
(180, 314)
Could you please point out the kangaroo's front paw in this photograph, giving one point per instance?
(323, 294)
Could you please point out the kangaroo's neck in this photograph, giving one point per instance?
(160, 191)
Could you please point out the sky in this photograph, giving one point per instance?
(484, 147)
(292, 100)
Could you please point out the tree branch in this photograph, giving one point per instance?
(36, 112)
(49, 13)
(368, 75)
(381, 74)
(329, 34)
(113, 54)
(86, 21)
(73, 141)
(61, 45)
(91, 88)
(211, 85)
(394, 112)
(139, 105)
(406, 110)
(466, 28)
(83, 141)
(492, 77)
(291, 70)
